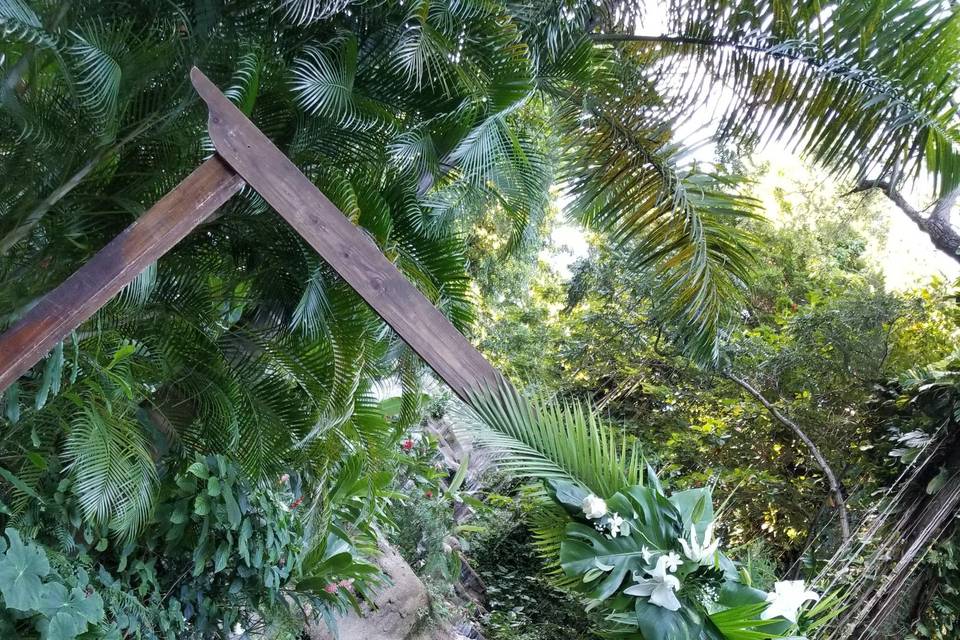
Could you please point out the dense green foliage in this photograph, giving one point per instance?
(209, 449)
(821, 338)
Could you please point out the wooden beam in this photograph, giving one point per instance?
(90, 287)
(347, 248)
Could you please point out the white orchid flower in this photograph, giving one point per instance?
(618, 526)
(671, 560)
(647, 554)
(660, 587)
(702, 554)
(786, 599)
(594, 507)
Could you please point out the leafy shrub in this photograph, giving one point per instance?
(219, 553)
(524, 605)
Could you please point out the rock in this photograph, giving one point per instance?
(399, 608)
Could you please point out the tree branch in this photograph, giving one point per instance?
(835, 487)
(937, 225)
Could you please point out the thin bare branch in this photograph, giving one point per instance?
(832, 480)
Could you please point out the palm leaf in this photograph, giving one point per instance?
(115, 474)
(551, 440)
(858, 98)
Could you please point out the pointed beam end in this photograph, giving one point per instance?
(201, 83)
(219, 108)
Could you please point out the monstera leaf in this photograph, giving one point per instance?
(21, 569)
(650, 512)
(652, 524)
(568, 494)
(603, 561)
(657, 623)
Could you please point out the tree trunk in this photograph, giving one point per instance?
(937, 225)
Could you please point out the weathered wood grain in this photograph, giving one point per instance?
(90, 287)
(347, 248)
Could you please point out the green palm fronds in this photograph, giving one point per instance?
(556, 440)
(416, 118)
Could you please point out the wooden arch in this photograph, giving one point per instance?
(245, 156)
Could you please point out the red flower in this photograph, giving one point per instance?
(296, 503)
(429, 494)
(331, 588)
(407, 445)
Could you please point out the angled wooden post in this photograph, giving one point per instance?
(113, 267)
(244, 154)
(346, 247)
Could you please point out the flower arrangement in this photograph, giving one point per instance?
(651, 562)
(654, 562)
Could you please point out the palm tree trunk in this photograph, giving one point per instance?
(832, 480)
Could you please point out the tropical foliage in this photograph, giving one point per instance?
(230, 393)
(649, 561)
(823, 335)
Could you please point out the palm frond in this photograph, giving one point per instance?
(96, 51)
(115, 474)
(862, 87)
(304, 12)
(17, 10)
(551, 440)
(323, 82)
(680, 222)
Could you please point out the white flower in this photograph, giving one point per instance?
(671, 561)
(702, 554)
(660, 587)
(594, 507)
(618, 525)
(647, 554)
(787, 598)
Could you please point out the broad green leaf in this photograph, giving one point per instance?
(570, 495)
(21, 570)
(11, 403)
(243, 549)
(657, 623)
(585, 550)
(201, 506)
(233, 509)
(659, 520)
(199, 469)
(69, 613)
(695, 507)
(221, 556)
(734, 594)
(52, 372)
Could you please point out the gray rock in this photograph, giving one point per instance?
(399, 609)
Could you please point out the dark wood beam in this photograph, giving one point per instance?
(346, 247)
(95, 283)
